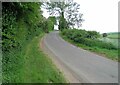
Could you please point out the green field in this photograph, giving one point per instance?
(113, 38)
(114, 41)
(114, 35)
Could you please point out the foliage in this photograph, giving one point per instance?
(12, 14)
(92, 34)
(88, 38)
(62, 23)
(51, 22)
(104, 34)
(53, 19)
(21, 21)
(67, 12)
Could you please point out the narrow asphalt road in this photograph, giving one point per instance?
(87, 66)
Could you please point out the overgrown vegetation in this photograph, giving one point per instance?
(89, 41)
(22, 22)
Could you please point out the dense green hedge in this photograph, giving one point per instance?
(21, 22)
(88, 38)
(13, 32)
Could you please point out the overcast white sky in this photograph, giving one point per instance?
(99, 15)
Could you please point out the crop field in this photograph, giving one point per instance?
(115, 42)
(113, 38)
(115, 35)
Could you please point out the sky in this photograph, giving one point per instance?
(99, 15)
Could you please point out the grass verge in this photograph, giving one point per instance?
(38, 67)
(33, 66)
(111, 54)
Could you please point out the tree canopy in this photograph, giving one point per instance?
(67, 12)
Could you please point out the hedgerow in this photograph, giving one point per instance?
(88, 38)
(21, 22)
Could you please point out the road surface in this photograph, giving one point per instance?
(86, 66)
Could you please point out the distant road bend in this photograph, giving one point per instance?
(85, 66)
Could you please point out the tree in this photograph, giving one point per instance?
(73, 15)
(51, 22)
(62, 23)
(104, 34)
(68, 12)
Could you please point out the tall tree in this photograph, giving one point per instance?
(68, 12)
